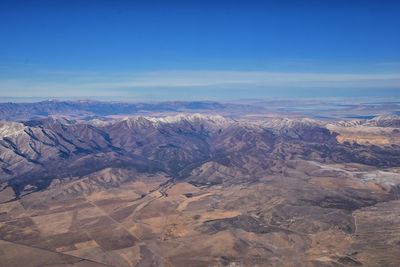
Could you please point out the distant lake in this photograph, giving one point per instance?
(366, 117)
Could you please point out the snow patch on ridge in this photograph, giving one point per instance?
(10, 128)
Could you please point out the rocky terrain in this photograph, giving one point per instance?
(189, 189)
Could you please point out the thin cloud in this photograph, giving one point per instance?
(105, 85)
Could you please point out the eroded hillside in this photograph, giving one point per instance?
(200, 190)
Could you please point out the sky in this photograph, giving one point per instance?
(211, 50)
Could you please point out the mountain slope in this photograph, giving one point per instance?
(61, 147)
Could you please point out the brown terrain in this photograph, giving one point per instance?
(199, 190)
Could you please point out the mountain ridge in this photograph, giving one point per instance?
(173, 143)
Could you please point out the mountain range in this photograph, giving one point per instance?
(195, 184)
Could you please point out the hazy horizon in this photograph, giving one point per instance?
(121, 99)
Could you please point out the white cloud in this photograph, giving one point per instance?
(81, 84)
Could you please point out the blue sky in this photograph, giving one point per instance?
(171, 50)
